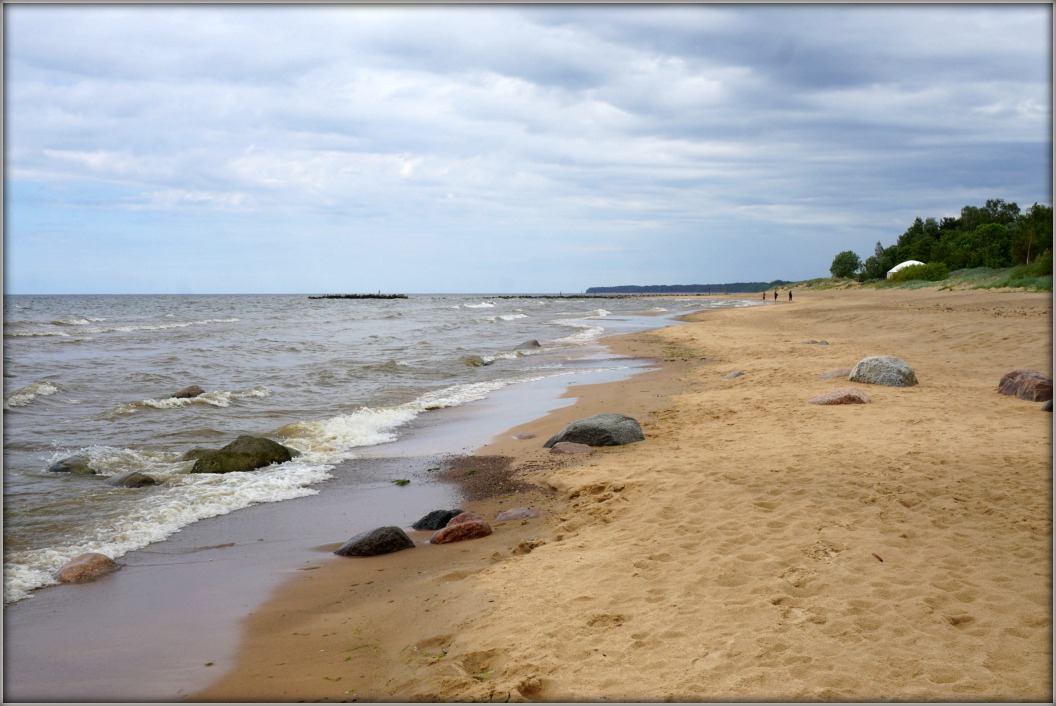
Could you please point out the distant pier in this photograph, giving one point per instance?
(359, 296)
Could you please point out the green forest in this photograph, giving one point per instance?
(996, 235)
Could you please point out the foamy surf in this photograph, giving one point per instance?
(25, 395)
(159, 512)
(216, 398)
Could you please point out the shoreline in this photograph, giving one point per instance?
(753, 547)
(177, 605)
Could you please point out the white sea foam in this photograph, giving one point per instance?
(482, 305)
(158, 327)
(30, 334)
(509, 317)
(585, 334)
(25, 395)
(216, 398)
(331, 440)
(182, 500)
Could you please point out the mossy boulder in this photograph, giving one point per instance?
(246, 453)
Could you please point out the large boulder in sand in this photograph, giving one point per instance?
(883, 370)
(87, 567)
(246, 453)
(437, 519)
(605, 429)
(72, 464)
(188, 392)
(375, 542)
(844, 395)
(1027, 385)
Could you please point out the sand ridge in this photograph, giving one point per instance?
(754, 546)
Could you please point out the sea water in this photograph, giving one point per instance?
(94, 375)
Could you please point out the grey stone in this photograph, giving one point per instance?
(437, 519)
(132, 479)
(606, 429)
(883, 370)
(383, 540)
(73, 464)
(187, 392)
(246, 453)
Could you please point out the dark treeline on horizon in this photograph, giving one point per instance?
(730, 287)
(995, 235)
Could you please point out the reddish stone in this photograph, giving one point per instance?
(1027, 385)
(87, 567)
(473, 529)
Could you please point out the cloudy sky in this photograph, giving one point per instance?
(198, 149)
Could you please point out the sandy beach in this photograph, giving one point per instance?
(753, 547)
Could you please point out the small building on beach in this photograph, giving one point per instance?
(899, 266)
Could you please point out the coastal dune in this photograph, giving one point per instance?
(753, 547)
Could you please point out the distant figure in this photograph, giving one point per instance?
(775, 295)
(764, 296)
(790, 295)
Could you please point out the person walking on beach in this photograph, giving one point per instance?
(775, 295)
(790, 295)
(764, 296)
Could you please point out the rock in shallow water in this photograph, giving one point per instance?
(246, 453)
(132, 479)
(73, 464)
(188, 392)
(383, 540)
(87, 567)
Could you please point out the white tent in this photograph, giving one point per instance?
(899, 266)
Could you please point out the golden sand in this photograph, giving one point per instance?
(753, 547)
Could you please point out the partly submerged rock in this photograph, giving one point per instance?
(437, 519)
(606, 429)
(375, 542)
(883, 370)
(73, 464)
(528, 344)
(475, 361)
(1026, 385)
(843, 395)
(246, 453)
(132, 479)
(188, 392)
(87, 567)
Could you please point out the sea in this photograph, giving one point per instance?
(94, 376)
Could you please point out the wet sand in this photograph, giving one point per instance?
(753, 547)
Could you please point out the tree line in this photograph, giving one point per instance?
(995, 235)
